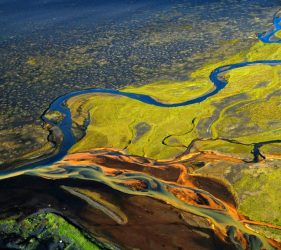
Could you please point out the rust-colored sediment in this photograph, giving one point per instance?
(138, 202)
(194, 190)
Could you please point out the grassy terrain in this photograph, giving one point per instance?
(172, 91)
(40, 231)
(259, 189)
(224, 147)
(246, 110)
(162, 43)
(257, 186)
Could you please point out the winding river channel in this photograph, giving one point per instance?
(65, 125)
(226, 223)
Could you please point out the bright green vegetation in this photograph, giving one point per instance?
(224, 147)
(247, 110)
(153, 187)
(268, 232)
(272, 148)
(257, 187)
(278, 34)
(113, 57)
(43, 230)
(172, 91)
(121, 126)
(259, 190)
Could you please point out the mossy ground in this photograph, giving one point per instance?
(43, 231)
(259, 190)
(166, 42)
(257, 186)
(246, 110)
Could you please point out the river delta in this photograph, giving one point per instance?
(160, 131)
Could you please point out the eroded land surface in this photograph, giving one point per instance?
(49, 49)
(186, 163)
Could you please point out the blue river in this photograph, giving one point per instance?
(66, 124)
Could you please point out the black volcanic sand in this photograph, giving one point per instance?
(152, 224)
(116, 198)
(49, 48)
